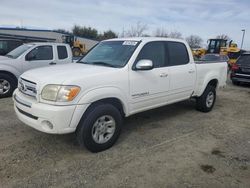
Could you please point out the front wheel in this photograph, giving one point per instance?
(7, 85)
(205, 102)
(100, 127)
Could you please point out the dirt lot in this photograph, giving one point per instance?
(174, 146)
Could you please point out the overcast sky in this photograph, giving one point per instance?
(206, 18)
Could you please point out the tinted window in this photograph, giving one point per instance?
(244, 60)
(42, 53)
(177, 53)
(62, 52)
(154, 51)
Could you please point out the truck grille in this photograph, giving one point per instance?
(27, 87)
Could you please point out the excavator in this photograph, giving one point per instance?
(220, 46)
(77, 47)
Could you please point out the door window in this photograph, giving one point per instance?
(62, 52)
(41, 53)
(154, 51)
(177, 53)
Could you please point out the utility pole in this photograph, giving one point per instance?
(243, 36)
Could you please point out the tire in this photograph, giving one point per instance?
(206, 101)
(236, 83)
(7, 85)
(76, 52)
(91, 122)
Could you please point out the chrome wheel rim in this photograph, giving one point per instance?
(210, 99)
(103, 129)
(4, 86)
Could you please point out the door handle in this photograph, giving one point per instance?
(163, 75)
(52, 63)
(191, 71)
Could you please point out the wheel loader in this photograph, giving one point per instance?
(77, 47)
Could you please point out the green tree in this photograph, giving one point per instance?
(107, 35)
(87, 32)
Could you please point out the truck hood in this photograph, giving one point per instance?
(2, 58)
(65, 74)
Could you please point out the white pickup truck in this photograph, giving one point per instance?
(117, 78)
(30, 56)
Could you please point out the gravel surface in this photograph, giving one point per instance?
(173, 146)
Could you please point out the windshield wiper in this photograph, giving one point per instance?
(102, 63)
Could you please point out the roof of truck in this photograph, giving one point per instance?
(146, 39)
(46, 43)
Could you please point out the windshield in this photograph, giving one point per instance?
(19, 50)
(110, 53)
(244, 60)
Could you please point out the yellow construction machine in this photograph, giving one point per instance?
(220, 46)
(78, 48)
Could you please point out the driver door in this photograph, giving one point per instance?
(148, 88)
(40, 56)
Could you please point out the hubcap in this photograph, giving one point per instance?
(4, 86)
(210, 99)
(103, 129)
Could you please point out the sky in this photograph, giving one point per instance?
(206, 18)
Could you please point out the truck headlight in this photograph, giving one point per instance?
(60, 93)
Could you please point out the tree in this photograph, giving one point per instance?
(107, 35)
(175, 34)
(136, 30)
(194, 41)
(161, 32)
(86, 32)
(223, 36)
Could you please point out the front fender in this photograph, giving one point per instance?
(97, 94)
(10, 69)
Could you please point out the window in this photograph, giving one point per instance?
(177, 53)
(154, 51)
(62, 52)
(41, 53)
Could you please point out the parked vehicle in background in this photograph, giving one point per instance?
(240, 71)
(29, 56)
(117, 78)
(7, 45)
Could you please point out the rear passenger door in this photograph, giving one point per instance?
(40, 56)
(181, 70)
(62, 55)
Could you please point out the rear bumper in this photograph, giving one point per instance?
(47, 118)
(240, 77)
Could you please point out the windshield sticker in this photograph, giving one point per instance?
(129, 43)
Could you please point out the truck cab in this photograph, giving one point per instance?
(30, 56)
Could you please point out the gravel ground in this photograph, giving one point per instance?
(173, 146)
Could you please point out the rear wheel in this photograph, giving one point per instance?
(100, 127)
(7, 85)
(205, 102)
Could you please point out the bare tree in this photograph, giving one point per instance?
(175, 34)
(194, 41)
(223, 36)
(136, 30)
(161, 32)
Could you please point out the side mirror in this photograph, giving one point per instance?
(30, 57)
(144, 64)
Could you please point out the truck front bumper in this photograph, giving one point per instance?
(47, 118)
